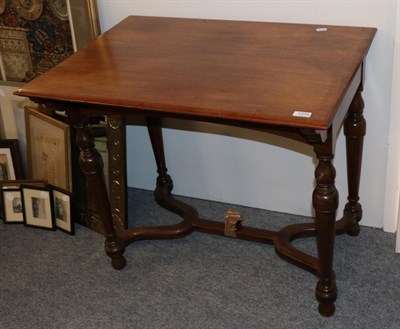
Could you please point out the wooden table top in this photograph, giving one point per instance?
(246, 71)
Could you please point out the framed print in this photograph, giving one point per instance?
(37, 207)
(62, 210)
(48, 149)
(10, 161)
(12, 206)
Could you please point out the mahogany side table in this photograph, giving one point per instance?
(298, 81)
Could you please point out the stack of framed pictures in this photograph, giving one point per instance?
(32, 202)
(35, 203)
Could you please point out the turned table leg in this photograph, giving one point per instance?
(325, 202)
(354, 130)
(154, 128)
(92, 167)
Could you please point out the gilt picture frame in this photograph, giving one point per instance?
(84, 21)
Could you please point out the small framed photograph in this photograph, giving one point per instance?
(12, 206)
(48, 149)
(62, 210)
(10, 161)
(38, 207)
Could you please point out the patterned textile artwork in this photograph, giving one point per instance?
(35, 35)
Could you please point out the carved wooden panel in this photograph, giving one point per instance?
(116, 176)
(116, 142)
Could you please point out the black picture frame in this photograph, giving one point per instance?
(38, 207)
(10, 160)
(12, 206)
(62, 205)
(15, 184)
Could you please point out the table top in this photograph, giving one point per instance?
(246, 71)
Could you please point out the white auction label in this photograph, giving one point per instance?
(302, 114)
(10, 196)
(44, 194)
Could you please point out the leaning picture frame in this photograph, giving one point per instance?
(48, 149)
(37, 207)
(12, 206)
(61, 200)
(10, 160)
(84, 21)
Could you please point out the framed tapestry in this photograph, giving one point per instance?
(36, 35)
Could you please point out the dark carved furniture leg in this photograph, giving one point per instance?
(92, 167)
(354, 129)
(325, 202)
(164, 181)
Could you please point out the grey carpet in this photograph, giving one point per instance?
(52, 280)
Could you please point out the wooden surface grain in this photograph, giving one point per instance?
(247, 71)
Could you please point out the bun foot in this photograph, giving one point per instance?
(354, 230)
(326, 308)
(326, 294)
(115, 250)
(118, 263)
